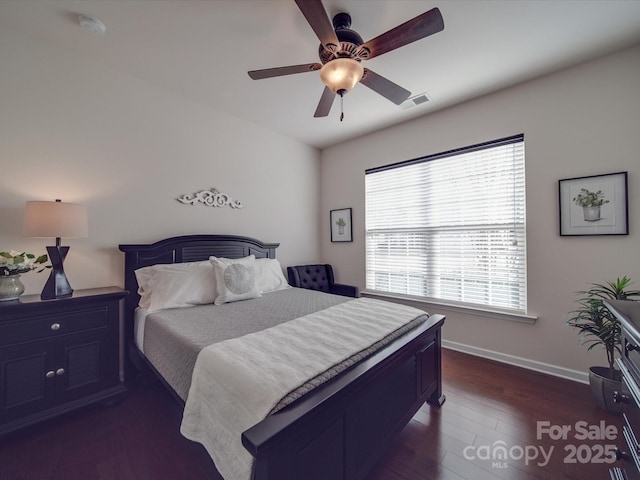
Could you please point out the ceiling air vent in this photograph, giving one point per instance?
(415, 101)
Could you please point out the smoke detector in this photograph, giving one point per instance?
(92, 25)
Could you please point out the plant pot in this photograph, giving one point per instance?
(591, 214)
(603, 386)
(10, 287)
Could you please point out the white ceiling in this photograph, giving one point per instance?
(202, 49)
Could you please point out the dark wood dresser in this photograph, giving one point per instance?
(58, 355)
(628, 450)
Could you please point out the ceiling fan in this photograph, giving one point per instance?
(342, 51)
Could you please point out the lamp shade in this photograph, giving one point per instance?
(55, 219)
(341, 74)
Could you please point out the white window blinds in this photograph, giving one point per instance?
(451, 226)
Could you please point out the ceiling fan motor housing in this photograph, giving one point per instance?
(350, 42)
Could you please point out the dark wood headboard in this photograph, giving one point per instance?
(189, 248)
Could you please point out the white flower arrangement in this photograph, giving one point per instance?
(15, 263)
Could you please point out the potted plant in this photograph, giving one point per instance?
(12, 265)
(599, 327)
(590, 203)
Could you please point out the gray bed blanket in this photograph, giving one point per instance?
(174, 338)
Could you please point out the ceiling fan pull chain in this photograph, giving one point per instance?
(341, 107)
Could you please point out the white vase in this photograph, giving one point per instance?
(10, 287)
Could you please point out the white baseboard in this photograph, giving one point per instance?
(575, 375)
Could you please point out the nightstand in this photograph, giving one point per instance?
(59, 355)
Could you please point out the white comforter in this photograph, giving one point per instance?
(236, 383)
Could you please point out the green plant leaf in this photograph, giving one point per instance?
(595, 323)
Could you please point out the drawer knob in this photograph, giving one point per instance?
(621, 397)
(60, 371)
(630, 347)
(55, 326)
(50, 374)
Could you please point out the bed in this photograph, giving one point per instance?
(338, 430)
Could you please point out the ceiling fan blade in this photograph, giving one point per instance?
(279, 71)
(325, 103)
(317, 17)
(384, 87)
(419, 27)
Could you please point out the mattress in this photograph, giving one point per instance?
(139, 317)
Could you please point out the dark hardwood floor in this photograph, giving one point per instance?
(489, 405)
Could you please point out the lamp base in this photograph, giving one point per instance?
(57, 285)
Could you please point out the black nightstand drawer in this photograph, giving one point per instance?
(46, 326)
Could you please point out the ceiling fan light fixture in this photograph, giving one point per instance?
(341, 74)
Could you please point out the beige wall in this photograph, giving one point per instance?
(578, 122)
(127, 149)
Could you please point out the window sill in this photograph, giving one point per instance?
(442, 306)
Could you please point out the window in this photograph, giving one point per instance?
(450, 227)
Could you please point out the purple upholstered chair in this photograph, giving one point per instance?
(319, 277)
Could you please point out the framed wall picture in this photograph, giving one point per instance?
(595, 205)
(341, 230)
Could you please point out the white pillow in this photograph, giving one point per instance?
(235, 279)
(176, 285)
(269, 275)
(143, 275)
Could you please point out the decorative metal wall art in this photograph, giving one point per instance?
(211, 198)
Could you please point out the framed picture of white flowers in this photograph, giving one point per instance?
(341, 230)
(594, 205)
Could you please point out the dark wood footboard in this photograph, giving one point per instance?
(340, 430)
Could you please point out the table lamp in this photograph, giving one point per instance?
(55, 219)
